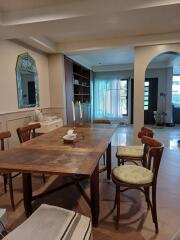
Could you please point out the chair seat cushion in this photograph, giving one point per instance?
(52, 223)
(130, 151)
(133, 174)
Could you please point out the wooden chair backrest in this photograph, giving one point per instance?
(153, 150)
(146, 132)
(27, 132)
(4, 135)
(102, 121)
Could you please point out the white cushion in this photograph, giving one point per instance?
(52, 223)
(133, 174)
(130, 151)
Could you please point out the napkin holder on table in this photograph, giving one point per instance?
(70, 137)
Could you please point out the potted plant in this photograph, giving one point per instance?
(159, 118)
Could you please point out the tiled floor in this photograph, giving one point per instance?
(168, 135)
(136, 222)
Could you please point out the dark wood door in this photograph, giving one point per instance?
(150, 99)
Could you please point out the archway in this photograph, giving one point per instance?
(143, 56)
(159, 87)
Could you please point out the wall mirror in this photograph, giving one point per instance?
(27, 81)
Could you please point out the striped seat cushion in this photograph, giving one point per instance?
(53, 223)
(130, 151)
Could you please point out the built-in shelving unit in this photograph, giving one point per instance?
(81, 83)
(77, 89)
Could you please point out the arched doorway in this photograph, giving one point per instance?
(158, 86)
(143, 56)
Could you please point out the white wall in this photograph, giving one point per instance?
(9, 52)
(114, 75)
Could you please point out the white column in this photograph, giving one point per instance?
(57, 83)
(169, 95)
(139, 74)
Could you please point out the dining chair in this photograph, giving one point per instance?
(133, 153)
(102, 121)
(140, 177)
(7, 177)
(28, 132)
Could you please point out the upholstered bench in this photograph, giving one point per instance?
(3, 221)
(53, 223)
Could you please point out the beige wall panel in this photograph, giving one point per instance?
(11, 121)
(8, 90)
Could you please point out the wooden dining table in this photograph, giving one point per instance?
(49, 154)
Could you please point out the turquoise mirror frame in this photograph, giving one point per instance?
(26, 66)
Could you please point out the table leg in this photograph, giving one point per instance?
(95, 196)
(108, 161)
(27, 193)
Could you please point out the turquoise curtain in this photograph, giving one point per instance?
(107, 101)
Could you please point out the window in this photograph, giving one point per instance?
(176, 91)
(146, 95)
(110, 98)
(124, 96)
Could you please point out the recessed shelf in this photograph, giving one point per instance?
(78, 89)
(80, 75)
(81, 94)
(75, 84)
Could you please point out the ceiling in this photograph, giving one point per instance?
(105, 57)
(116, 59)
(70, 26)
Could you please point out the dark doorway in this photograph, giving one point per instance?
(150, 99)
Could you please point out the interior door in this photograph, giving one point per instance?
(150, 99)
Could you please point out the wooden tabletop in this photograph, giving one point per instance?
(49, 154)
